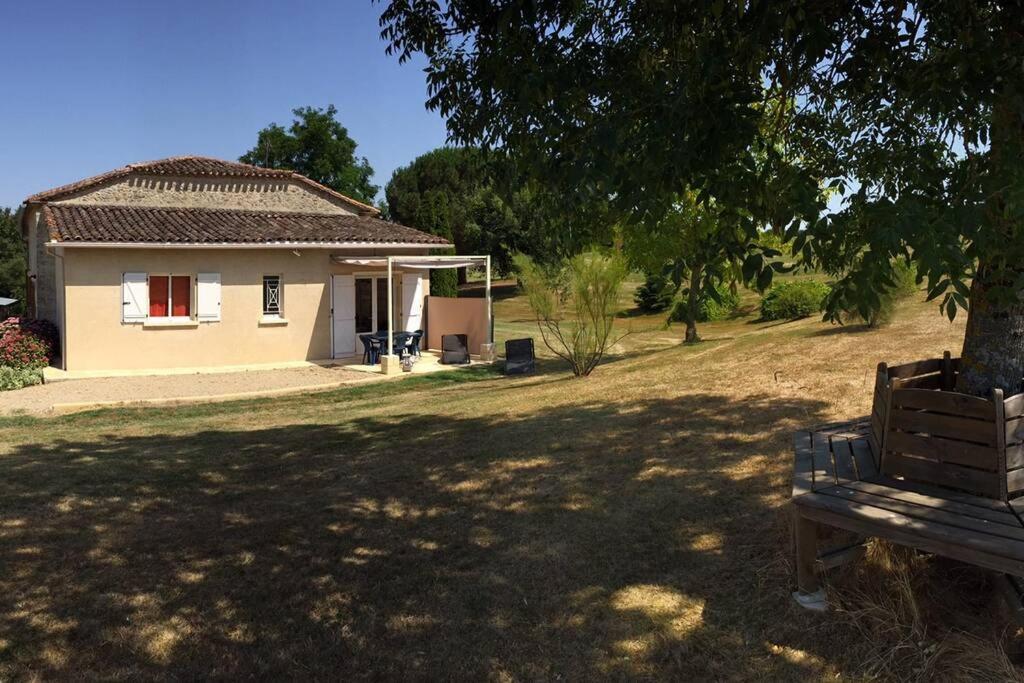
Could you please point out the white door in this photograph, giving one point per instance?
(343, 299)
(412, 302)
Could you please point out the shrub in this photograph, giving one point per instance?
(444, 282)
(709, 310)
(575, 305)
(27, 343)
(655, 294)
(791, 300)
(15, 378)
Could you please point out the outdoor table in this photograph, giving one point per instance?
(382, 335)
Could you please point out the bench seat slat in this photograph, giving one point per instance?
(1003, 516)
(913, 538)
(951, 539)
(943, 474)
(928, 513)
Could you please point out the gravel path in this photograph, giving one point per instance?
(41, 399)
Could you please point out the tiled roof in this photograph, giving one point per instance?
(193, 166)
(153, 225)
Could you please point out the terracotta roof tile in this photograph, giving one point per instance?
(194, 166)
(127, 224)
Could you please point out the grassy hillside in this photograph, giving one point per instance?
(471, 526)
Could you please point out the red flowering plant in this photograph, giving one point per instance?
(26, 344)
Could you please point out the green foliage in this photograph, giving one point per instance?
(655, 294)
(444, 282)
(12, 257)
(903, 285)
(480, 203)
(575, 304)
(16, 378)
(909, 112)
(705, 250)
(709, 309)
(319, 147)
(795, 299)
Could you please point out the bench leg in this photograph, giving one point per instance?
(810, 594)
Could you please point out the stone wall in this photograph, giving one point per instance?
(213, 193)
(45, 270)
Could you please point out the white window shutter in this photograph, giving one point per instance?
(134, 297)
(208, 295)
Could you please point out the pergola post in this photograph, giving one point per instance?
(389, 363)
(487, 350)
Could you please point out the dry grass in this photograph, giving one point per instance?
(627, 526)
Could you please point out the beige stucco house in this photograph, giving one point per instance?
(193, 262)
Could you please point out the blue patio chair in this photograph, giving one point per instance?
(414, 343)
(371, 349)
(401, 343)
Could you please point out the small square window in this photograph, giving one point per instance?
(272, 295)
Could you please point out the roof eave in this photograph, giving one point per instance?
(248, 245)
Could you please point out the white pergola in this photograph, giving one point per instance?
(422, 263)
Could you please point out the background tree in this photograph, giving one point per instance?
(12, 256)
(912, 111)
(319, 147)
(480, 202)
(703, 249)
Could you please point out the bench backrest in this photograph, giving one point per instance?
(924, 431)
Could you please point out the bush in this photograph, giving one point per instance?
(791, 300)
(15, 378)
(655, 294)
(575, 304)
(444, 282)
(709, 310)
(27, 343)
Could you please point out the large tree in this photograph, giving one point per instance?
(319, 147)
(480, 202)
(913, 112)
(12, 256)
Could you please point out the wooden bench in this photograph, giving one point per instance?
(930, 469)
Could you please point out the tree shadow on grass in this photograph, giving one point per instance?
(595, 541)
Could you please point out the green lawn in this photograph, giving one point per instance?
(458, 526)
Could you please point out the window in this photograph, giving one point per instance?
(272, 295)
(170, 296)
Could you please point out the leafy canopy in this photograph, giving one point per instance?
(482, 204)
(911, 111)
(12, 256)
(317, 146)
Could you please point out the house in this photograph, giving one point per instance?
(193, 262)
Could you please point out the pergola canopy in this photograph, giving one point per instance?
(425, 263)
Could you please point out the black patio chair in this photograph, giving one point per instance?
(414, 343)
(454, 349)
(519, 357)
(371, 349)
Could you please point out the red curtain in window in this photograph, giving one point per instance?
(158, 296)
(181, 295)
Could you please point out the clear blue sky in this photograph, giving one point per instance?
(91, 86)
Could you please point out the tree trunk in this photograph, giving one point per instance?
(693, 306)
(993, 353)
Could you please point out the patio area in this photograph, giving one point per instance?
(427, 362)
